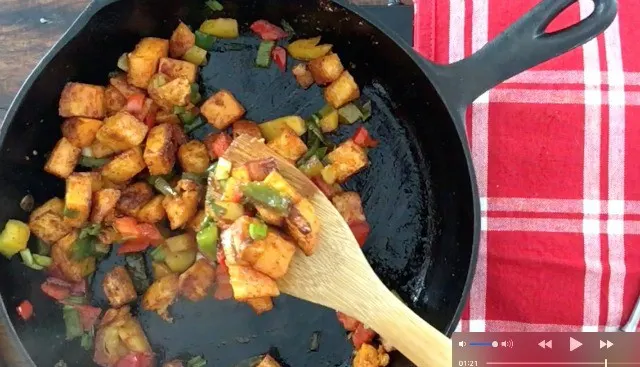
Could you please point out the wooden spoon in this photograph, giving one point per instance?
(338, 275)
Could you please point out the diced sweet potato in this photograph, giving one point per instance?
(303, 225)
(119, 82)
(47, 223)
(181, 40)
(222, 109)
(182, 208)
(326, 69)
(303, 76)
(104, 202)
(82, 100)
(153, 211)
(193, 157)
(160, 295)
(124, 166)
(260, 305)
(160, 150)
(63, 159)
(268, 361)
(174, 93)
(73, 270)
(277, 182)
(347, 159)
(349, 205)
(271, 255)
(114, 101)
(288, 145)
(77, 200)
(143, 61)
(342, 91)
(80, 131)
(249, 283)
(122, 131)
(177, 68)
(118, 287)
(134, 197)
(246, 127)
(99, 150)
(96, 181)
(197, 280)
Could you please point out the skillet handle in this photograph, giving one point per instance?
(520, 47)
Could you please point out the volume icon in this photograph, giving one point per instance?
(507, 344)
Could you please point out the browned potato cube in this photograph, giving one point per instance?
(303, 225)
(124, 166)
(197, 280)
(303, 76)
(160, 295)
(46, 222)
(246, 127)
(181, 41)
(260, 305)
(249, 283)
(165, 117)
(193, 157)
(153, 211)
(177, 68)
(182, 208)
(342, 91)
(134, 197)
(326, 69)
(104, 202)
(96, 181)
(288, 145)
(347, 160)
(268, 361)
(99, 150)
(160, 151)
(77, 200)
(195, 223)
(222, 109)
(277, 182)
(143, 61)
(118, 287)
(233, 241)
(63, 159)
(349, 205)
(122, 131)
(270, 256)
(114, 101)
(82, 100)
(368, 356)
(73, 270)
(108, 236)
(80, 131)
(119, 82)
(174, 93)
(270, 216)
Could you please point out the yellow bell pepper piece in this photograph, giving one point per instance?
(313, 167)
(221, 27)
(272, 129)
(14, 238)
(308, 49)
(330, 122)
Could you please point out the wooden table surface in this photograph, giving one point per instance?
(28, 28)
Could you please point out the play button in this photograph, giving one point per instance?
(574, 344)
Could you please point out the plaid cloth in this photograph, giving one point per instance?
(555, 152)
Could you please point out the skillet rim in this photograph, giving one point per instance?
(12, 347)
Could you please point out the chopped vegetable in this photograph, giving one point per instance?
(25, 310)
(123, 62)
(258, 230)
(70, 213)
(13, 238)
(303, 76)
(180, 261)
(195, 124)
(162, 186)
(205, 41)
(27, 259)
(279, 56)
(214, 5)
(268, 31)
(365, 109)
(44, 248)
(183, 242)
(311, 167)
(72, 322)
(329, 121)
(158, 254)
(363, 139)
(217, 144)
(135, 102)
(263, 58)
(195, 55)
(207, 239)
(187, 117)
(195, 93)
(360, 231)
(308, 49)
(198, 178)
(221, 27)
(86, 341)
(329, 175)
(90, 162)
(135, 265)
(134, 245)
(274, 128)
(223, 170)
(197, 361)
(287, 28)
(349, 114)
(44, 261)
(312, 125)
(266, 196)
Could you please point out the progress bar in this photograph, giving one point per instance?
(604, 363)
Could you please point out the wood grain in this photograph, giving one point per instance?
(28, 28)
(338, 275)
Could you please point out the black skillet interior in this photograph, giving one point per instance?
(416, 192)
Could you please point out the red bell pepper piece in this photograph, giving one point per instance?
(362, 335)
(88, 315)
(279, 56)
(348, 322)
(217, 144)
(135, 359)
(134, 245)
(127, 227)
(360, 231)
(135, 102)
(150, 232)
(268, 31)
(150, 118)
(363, 139)
(56, 288)
(328, 190)
(140, 235)
(25, 310)
(223, 287)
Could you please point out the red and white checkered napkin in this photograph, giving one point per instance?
(557, 152)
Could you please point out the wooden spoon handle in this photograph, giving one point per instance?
(411, 335)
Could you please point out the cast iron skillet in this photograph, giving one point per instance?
(420, 192)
